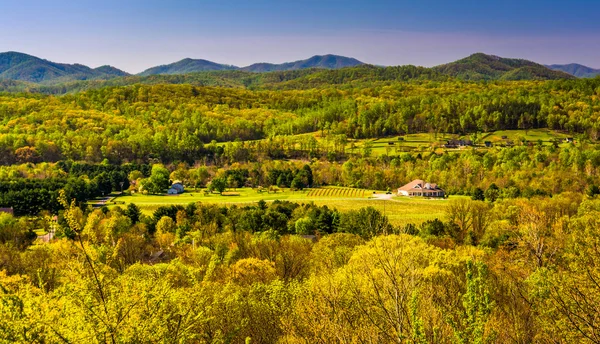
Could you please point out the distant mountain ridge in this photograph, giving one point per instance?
(576, 69)
(23, 67)
(30, 69)
(480, 66)
(110, 70)
(188, 65)
(318, 61)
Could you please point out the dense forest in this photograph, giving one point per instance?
(489, 67)
(289, 79)
(172, 123)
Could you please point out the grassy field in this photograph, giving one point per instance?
(424, 142)
(545, 135)
(394, 145)
(245, 195)
(407, 143)
(400, 210)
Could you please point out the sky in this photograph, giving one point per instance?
(134, 35)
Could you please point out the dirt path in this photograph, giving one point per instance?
(384, 197)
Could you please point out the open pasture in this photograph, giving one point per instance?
(399, 210)
(546, 136)
(395, 145)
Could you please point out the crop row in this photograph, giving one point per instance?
(336, 192)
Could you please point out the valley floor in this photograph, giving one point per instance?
(400, 210)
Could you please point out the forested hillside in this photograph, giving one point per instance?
(176, 122)
(186, 66)
(110, 70)
(488, 67)
(317, 71)
(23, 67)
(317, 61)
(365, 75)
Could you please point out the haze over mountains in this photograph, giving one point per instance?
(576, 69)
(187, 66)
(325, 62)
(19, 67)
(190, 65)
(23, 67)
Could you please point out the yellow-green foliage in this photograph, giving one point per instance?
(175, 122)
(526, 271)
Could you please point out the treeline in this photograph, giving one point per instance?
(178, 122)
(512, 271)
(278, 217)
(515, 171)
(80, 181)
(508, 172)
(32, 197)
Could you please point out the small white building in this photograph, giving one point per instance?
(176, 189)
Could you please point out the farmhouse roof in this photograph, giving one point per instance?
(419, 185)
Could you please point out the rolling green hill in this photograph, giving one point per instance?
(110, 70)
(356, 76)
(295, 79)
(41, 76)
(318, 61)
(480, 66)
(187, 66)
(23, 67)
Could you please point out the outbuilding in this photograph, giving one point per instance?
(176, 188)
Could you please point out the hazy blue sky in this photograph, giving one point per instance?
(134, 35)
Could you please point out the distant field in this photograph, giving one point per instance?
(400, 210)
(394, 145)
(545, 135)
(423, 141)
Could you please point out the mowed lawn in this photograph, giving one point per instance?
(399, 210)
(244, 195)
